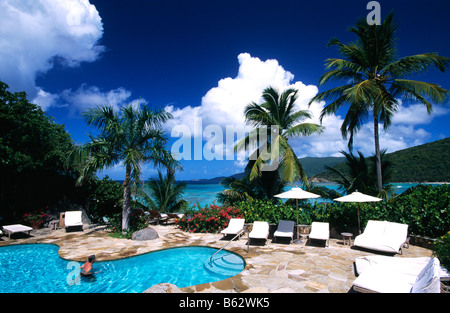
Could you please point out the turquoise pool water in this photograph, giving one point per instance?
(38, 268)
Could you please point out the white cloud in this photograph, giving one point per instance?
(90, 96)
(416, 114)
(34, 34)
(224, 105)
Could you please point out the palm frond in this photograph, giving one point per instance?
(304, 129)
(415, 64)
(412, 90)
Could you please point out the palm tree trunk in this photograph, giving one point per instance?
(126, 198)
(377, 155)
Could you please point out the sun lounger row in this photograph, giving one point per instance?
(285, 229)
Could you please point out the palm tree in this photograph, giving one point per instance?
(165, 195)
(376, 79)
(358, 173)
(277, 111)
(132, 136)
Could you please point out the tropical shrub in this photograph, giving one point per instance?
(36, 219)
(105, 198)
(441, 249)
(425, 208)
(272, 212)
(210, 219)
(136, 222)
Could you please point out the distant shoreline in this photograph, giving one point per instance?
(207, 182)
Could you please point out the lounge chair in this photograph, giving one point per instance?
(235, 227)
(16, 228)
(320, 231)
(260, 230)
(157, 217)
(285, 229)
(175, 215)
(73, 219)
(384, 274)
(383, 236)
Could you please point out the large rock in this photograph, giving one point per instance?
(164, 288)
(145, 234)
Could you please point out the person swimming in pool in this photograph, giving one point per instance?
(86, 268)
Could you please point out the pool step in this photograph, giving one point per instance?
(226, 266)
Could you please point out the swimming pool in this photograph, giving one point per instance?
(34, 268)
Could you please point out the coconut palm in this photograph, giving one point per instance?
(163, 194)
(375, 81)
(277, 112)
(359, 174)
(131, 136)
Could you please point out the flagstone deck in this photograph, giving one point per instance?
(274, 267)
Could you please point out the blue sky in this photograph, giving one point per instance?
(206, 60)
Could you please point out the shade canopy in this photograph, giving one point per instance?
(357, 197)
(297, 193)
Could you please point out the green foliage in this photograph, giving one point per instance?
(210, 219)
(272, 212)
(428, 162)
(37, 218)
(136, 222)
(132, 136)
(425, 163)
(424, 208)
(163, 194)
(359, 174)
(33, 151)
(441, 250)
(105, 198)
(276, 110)
(375, 80)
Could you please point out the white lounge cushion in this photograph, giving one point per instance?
(285, 229)
(235, 226)
(382, 236)
(428, 280)
(17, 228)
(260, 230)
(397, 275)
(73, 218)
(382, 279)
(320, 230)
(408, 266)
(283, 234)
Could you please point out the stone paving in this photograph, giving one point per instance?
(273, 267)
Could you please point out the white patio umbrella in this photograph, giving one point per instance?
(297, 193)
(358, 197)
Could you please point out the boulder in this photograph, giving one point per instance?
(145, 234)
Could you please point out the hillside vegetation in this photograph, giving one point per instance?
(425, 163)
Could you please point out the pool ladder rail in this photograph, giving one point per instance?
(223, 247)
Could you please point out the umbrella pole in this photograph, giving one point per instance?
(297, 241)
(296, 202)
(359, 226)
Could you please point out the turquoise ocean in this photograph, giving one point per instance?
(205, 194)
